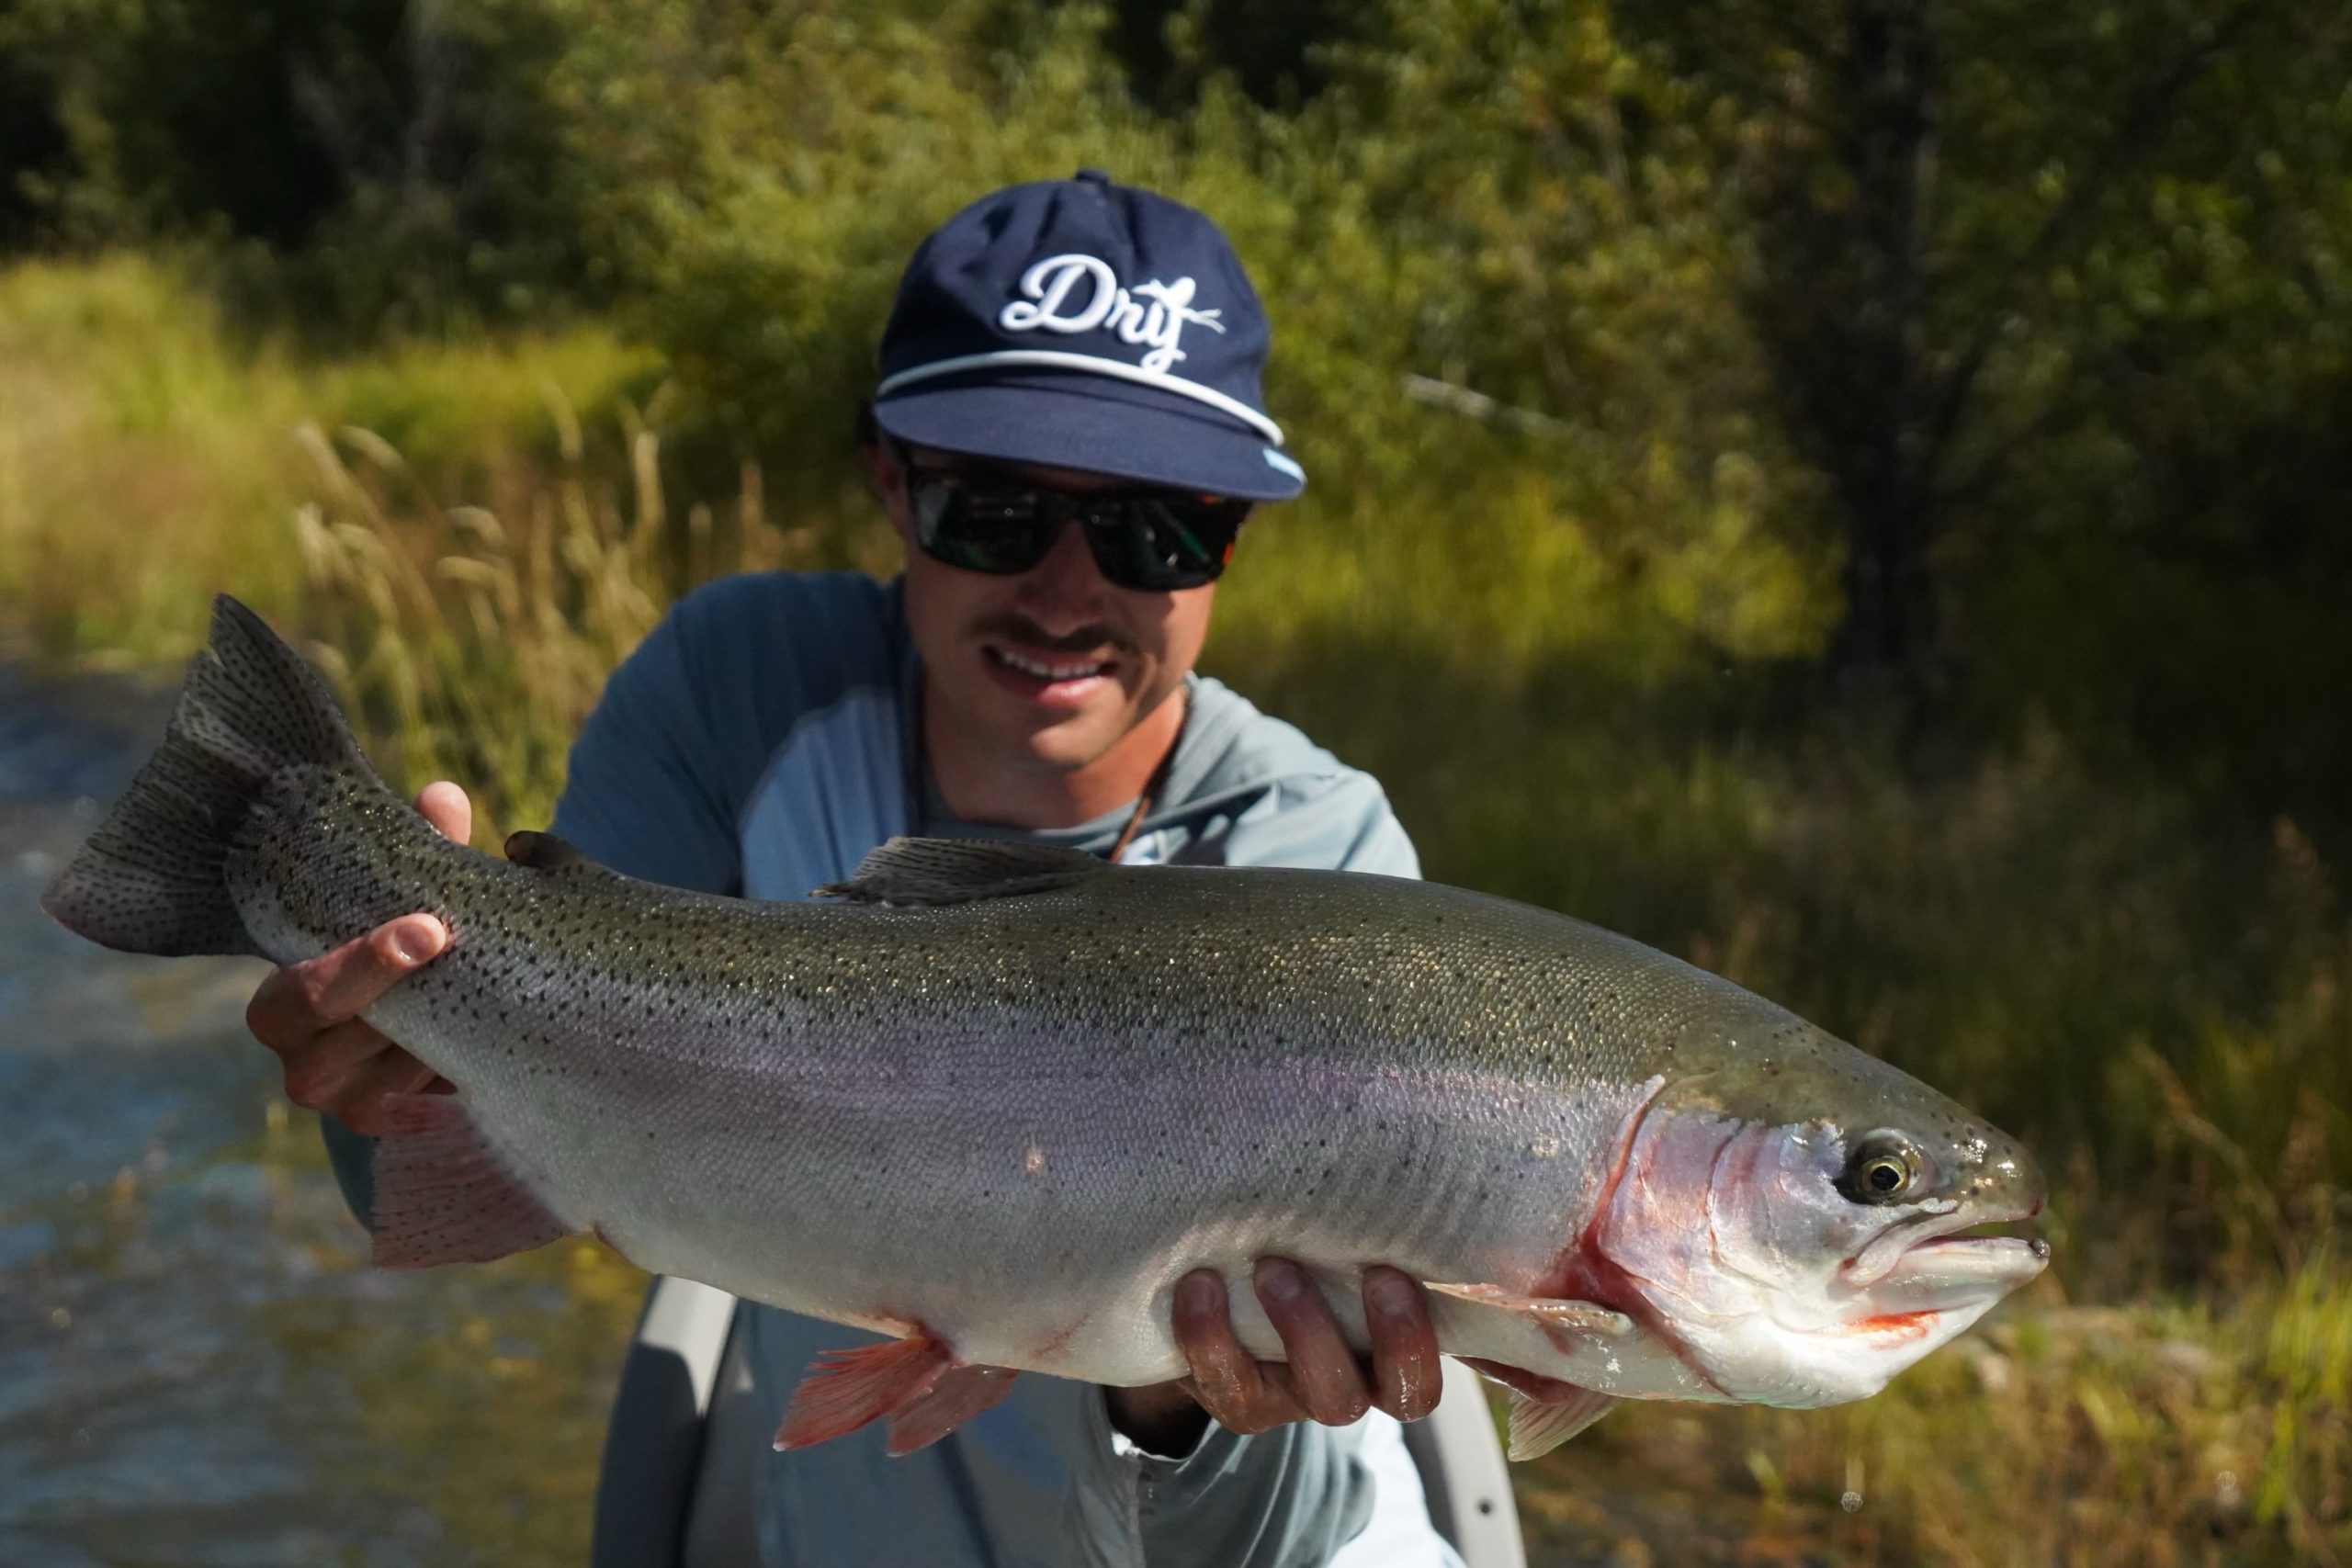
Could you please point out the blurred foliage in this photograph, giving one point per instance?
(2026, 324)
(2058, 303)
(1845, 490)
(392, 163)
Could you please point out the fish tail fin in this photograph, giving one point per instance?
(153, 879)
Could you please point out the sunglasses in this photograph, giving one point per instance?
(1153, 541)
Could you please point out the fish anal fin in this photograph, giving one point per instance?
(1539, 1425)
(961, 1393)
(843, 1389)
(957, 871)
(446, 1193)
(1561, 1319)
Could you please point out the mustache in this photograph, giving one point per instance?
(1014, 626)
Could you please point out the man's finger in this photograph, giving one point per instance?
(1407, 1377)
(1226, 1379)
(322, 1071)
(445, 805)
(394, 1071)
(1323, 1368)
(301, 1000)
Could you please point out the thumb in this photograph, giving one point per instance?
(445, 805)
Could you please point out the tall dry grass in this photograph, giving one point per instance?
(473, 644)
(147, 458)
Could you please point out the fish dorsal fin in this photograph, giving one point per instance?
(1539, 1425)
(956, 870)
(544, 852)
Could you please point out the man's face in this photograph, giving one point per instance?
(1048, 669)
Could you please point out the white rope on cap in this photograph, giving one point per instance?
(1052, 359)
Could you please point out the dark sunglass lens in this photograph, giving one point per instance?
(981, 530)
(1162, 542)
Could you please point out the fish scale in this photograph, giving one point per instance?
(997, 1098)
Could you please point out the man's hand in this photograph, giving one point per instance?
(335, 1061)
(1322, 1380)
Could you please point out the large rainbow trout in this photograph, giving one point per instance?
(994, 1100)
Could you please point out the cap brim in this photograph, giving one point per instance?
(1093, 423)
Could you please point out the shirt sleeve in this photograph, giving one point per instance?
(1321, 821)
(650, 789)
(1376, 841)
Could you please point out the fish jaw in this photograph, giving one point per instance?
(1776, 1287)
(1941, 1285)
(1935, 1294)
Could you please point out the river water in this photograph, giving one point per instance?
(196, 1365)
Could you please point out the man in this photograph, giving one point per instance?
(1068, 437)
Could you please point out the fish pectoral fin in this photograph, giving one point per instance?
(956, 871)
(916, 1381)
(1539, 1425)
(1553, 1312)
(446, 1193)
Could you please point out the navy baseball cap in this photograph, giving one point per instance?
(1082, 324)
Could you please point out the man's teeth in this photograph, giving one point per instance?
(1044, 670)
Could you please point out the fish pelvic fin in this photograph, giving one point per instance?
(151, 879)
(1539, 1425)
(956, 871)
(446, 1193)
(917, 1383)
(1544, 1412)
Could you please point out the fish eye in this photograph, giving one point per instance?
(1885, 1169)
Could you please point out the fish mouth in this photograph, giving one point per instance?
(1937, 1284)
(2003, 1262)
(1934, 1241)
(1985, 1253)
(1938, 1275)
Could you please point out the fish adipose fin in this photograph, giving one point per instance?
(544, 852)
(916, 1381)
(446, 1194)
(956, 871)
(150, 878)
